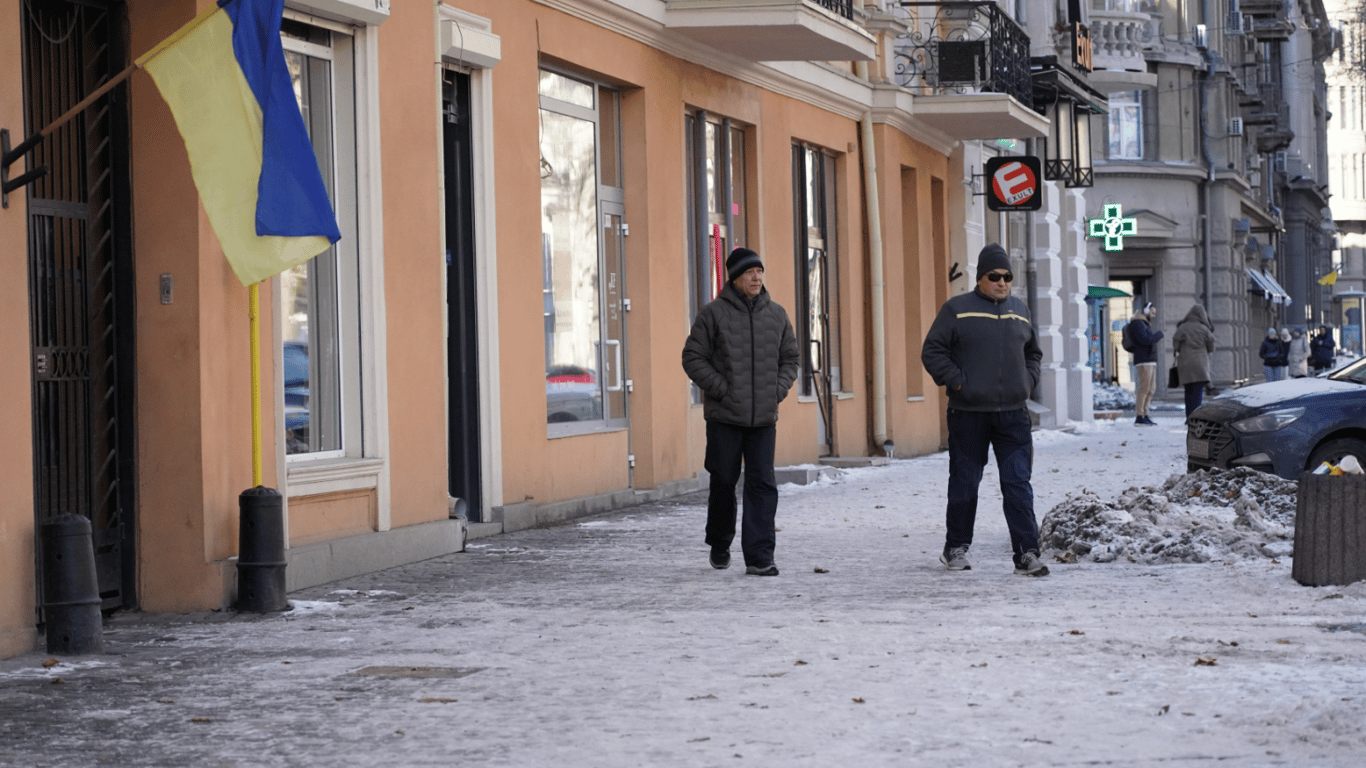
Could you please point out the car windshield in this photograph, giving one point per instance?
(1353, 372)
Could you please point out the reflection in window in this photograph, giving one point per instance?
(583, 298)
(1126, 126)
(309, 293)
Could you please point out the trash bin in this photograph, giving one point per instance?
(1330, 530)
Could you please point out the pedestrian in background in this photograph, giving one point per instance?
(1298, 355)
(1270, 353)
(1283, 360)
(1192, 345)
(1143, 344)
(983, 349)
(743, 355)
(1321, 349)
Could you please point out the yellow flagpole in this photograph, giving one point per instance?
(257, 473)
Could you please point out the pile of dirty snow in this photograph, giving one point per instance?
(1204, 516)
(1111, 397)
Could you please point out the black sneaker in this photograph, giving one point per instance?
(1148, 420)
(720, 558)
(762, 570)
(1029, 564)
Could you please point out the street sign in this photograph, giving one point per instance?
(1013, 183)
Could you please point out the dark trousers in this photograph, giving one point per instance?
(1008, 433)
(1195, 395)
(727, 446)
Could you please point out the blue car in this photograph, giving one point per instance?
(1283, 427)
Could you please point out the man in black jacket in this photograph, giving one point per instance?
(982, 348)
(743, 355)
(1144, 341)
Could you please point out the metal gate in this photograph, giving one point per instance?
(80, 281)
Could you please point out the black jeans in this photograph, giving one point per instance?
(1008, 433)
(727, 445)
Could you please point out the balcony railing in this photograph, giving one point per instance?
(962, 47)
(843, 8)
(1120, 39)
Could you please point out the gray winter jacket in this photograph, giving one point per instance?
(744, 358)
(984, 352)
(1192, 345)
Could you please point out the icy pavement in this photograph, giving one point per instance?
(610, 643)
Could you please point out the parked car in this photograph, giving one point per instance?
(1283, 427)
(296, 396)
(572, 394)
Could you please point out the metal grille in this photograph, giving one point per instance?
(1216, 433)
(74, 228)
(843, 8)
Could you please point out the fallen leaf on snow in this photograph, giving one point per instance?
(858, 699)
(437, 700)
(57, 681)
(699, 738)
(1203, 662)
(1283, 641)
(201, 719)
(799, 663)
(1076, 632)
(696, 698)
(54, 662)
(821, 570)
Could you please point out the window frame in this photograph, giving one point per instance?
(358, 465)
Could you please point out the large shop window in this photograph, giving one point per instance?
(818, 315)
(581, 253)
(320, 346)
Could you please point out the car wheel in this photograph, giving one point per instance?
(1333, 451)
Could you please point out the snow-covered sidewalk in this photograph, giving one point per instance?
(611, 642)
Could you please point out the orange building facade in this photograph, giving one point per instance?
(451, 369)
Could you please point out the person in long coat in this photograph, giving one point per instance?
(1192, 344)
(1299, 354)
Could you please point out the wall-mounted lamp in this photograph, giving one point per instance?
(1082, 175)
(1059, 147)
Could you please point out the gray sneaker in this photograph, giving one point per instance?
(1030, 565)
(956, 559)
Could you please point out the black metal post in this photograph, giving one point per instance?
(261, 551)
(71, 593)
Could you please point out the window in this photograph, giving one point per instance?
(717, 206)
(818, 315)
(320, 345)
(581, 252)
(1126, 126)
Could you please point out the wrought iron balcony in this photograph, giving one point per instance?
(774, 30)
(969, 62)
(963, 47)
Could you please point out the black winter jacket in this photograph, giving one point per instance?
(744, 358)
(1145, 339)
(984, 352)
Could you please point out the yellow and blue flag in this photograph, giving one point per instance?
(225, 79)
(1329, 279)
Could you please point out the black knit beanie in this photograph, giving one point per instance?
(992, 257)
(741, 260)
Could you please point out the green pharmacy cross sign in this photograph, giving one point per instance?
(1113, 227)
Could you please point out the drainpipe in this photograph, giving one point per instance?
(869, 152)
(1206, 186)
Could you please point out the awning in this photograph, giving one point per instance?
(1275, 286)
(1104, 292)
(1266, 285)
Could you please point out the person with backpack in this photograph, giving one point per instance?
(1321, 349)
(1270, 353)
(1140, 340)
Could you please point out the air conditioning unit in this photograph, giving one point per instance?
(1242, 226)
(1278, 163)
(1234, 26)
(1235, 126)
(1254, 162)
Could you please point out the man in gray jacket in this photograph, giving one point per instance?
(743, 355)
(982, 348)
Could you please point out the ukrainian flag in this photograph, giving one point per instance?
(225, 79)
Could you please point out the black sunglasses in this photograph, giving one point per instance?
(997, 277)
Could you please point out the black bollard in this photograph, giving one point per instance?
(261, 551)
(71, 591)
